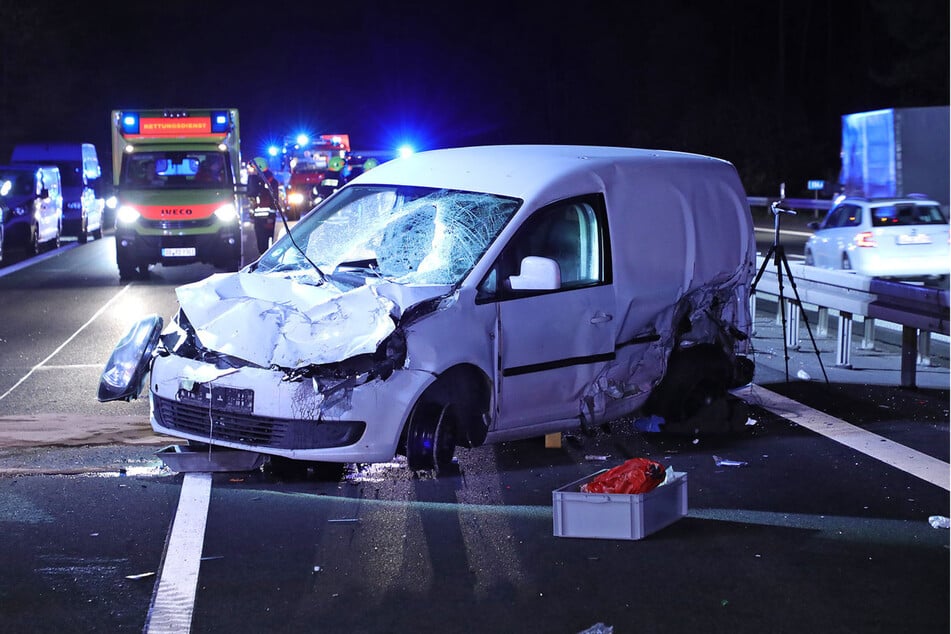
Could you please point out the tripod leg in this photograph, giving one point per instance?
(792, 282)
(782, 312)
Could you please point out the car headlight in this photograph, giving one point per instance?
(126, 215)
(125, 372)
(227, 213)
(295, 198)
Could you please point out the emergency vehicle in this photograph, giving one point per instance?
(309, 162)
(177, 178)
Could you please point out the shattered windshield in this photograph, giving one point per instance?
(411, 235)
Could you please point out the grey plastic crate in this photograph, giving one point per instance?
(614, 515)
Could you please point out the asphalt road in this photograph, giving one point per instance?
(824, 528)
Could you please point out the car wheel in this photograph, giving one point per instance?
(431, 437)
(128, 269)
(83, 234)
(809, 259)
(846, 263)
(36, 247)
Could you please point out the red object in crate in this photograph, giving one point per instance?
(637, 475)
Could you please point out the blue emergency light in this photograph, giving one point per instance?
(220, 122)
(130, 123)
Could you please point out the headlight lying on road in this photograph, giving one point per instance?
(125, 372)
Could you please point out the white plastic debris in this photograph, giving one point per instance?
(802, 374)
(598, 628)
(722, 462)
(939, 521)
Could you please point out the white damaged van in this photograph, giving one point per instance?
(463, 296)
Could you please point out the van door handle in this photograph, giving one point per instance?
(600, 318)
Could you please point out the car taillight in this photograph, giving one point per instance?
(865, 239)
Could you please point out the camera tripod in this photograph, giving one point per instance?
(778, 253)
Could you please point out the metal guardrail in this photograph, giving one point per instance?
(918, 310)
(791, 203)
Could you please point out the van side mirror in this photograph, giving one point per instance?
(536, 274)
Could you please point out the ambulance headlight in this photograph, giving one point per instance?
(126, 215)
(227, 213)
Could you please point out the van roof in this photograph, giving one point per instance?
(54, 151)
(524, 170)
(27, 167)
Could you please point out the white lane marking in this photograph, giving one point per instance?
(918, 464)
(36, 259)
(174, 599)
(65, 343)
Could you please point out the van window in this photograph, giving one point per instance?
(16, 183)
(570, 232)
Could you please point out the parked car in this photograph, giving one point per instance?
(82, 187)
(460, 297)
(32, 198)
(903, 238)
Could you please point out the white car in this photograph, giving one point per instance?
(905, 238)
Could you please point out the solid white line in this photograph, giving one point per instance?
(36, 259)
(918, 464)
(174, 600)
(65, 343)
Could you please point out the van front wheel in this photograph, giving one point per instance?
(431, 436)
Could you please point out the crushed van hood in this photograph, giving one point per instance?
(270, 320)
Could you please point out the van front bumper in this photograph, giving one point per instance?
(253, 409)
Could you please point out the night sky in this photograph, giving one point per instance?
(760, 83)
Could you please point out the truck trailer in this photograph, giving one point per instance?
(896, 152)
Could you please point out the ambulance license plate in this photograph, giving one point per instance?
(179, 252)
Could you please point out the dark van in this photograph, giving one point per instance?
(78, 163)
(31, 205)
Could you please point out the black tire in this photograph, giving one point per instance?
(695, 378)
(36, 247)
(83, 236)
(431, 437)
(128, 269)
(846, 263)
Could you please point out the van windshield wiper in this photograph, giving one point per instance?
(280, 211)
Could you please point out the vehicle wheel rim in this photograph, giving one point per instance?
(431, 437)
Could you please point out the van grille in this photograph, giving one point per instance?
(173, 225)
(260, 431)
